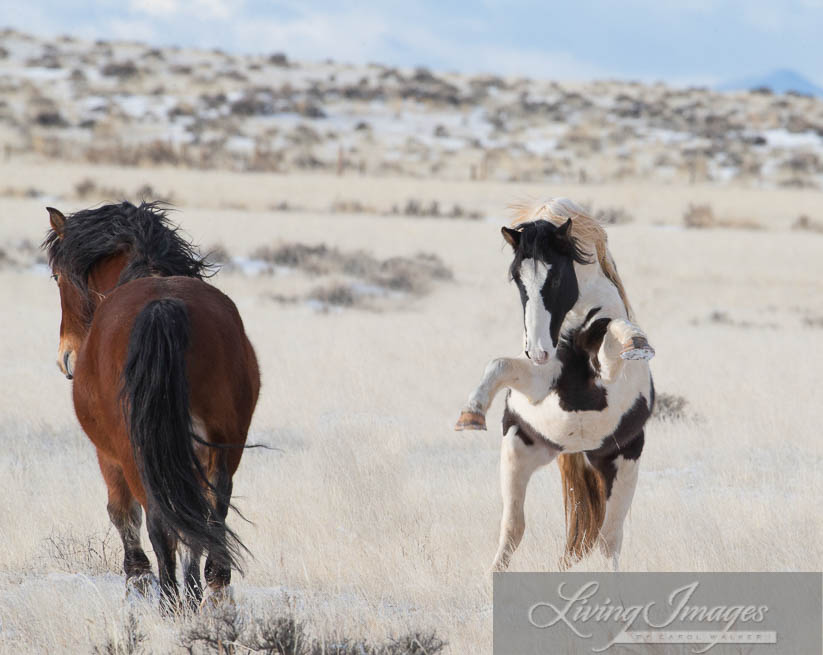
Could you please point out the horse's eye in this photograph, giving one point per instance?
(55, 277)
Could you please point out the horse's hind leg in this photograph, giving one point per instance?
(191, 576)
(518, 461)
(164, 542)
(126, 515)
(218, 564)
(620, 474)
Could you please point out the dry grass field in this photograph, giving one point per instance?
(371, 517)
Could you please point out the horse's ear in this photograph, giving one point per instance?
(567, 244)
(564, 230)
(57, 220)
(511, 236)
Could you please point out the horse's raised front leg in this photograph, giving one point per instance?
(623, 341)
(620, 474)
(518, 461)
(518, 373)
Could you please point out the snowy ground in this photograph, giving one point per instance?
(128, 103)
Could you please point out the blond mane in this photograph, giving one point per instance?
(589, 233)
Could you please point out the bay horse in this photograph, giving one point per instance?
(581, 392)
(165, 382)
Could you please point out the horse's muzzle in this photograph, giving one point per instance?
(538, 357)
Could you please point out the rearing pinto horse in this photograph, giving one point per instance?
(581, 392)
(165, 384)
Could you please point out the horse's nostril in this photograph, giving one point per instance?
(540, 357)
(67, 365)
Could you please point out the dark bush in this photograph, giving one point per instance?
(50, 118)
(121, 69)
(670, 407)
(807, 224)
(279, 59)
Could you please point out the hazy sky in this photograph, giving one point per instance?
(681, 41)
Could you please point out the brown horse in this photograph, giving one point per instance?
(165, 384)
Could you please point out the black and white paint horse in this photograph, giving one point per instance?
(582, 390)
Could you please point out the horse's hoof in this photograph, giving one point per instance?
(470, 421)
(142, 587)
(637, 348)
(217, 598)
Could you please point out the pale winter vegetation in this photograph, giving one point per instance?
(371, 520)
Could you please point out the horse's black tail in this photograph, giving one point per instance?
(158, 415)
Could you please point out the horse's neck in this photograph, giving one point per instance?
(596, 290)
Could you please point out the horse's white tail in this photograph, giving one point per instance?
(584, 499)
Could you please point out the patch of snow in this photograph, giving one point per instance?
(782, 138)
(320, 306)
(241, 144)
(251, 267)
(364, 289)
(44, 73)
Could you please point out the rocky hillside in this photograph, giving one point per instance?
(132, 104)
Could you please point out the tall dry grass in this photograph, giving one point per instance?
(373, 519)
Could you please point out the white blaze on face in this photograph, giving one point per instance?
(537, 319)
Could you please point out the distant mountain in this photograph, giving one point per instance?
(779, 81)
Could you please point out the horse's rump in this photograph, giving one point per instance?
(177, 352)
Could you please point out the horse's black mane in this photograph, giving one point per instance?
(153, 244)
(539, 240)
